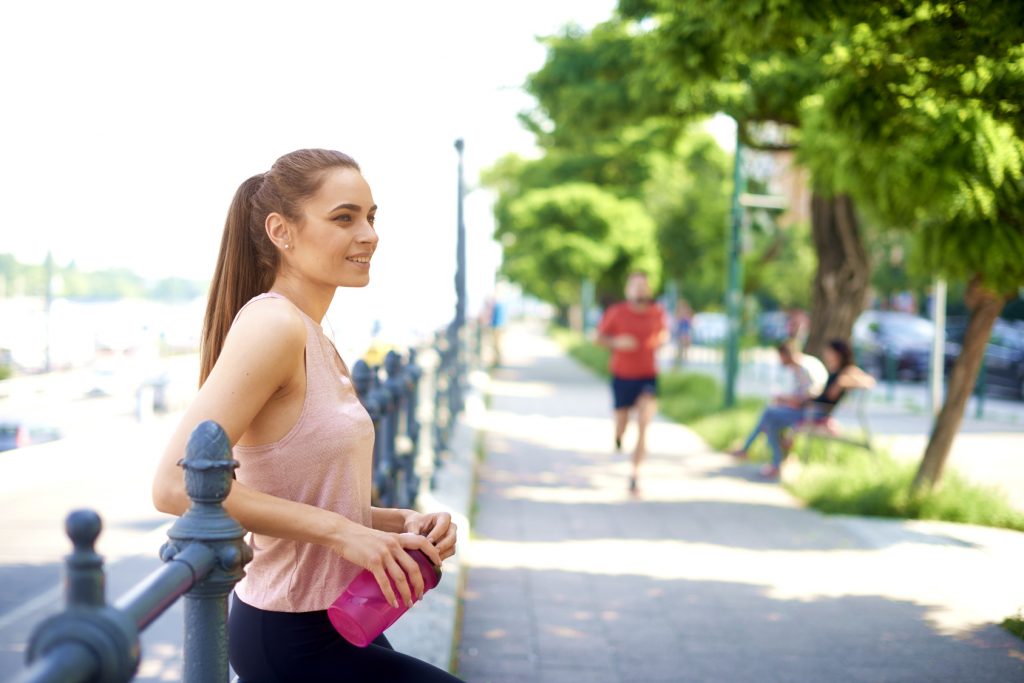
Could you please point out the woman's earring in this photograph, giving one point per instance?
(286, 246)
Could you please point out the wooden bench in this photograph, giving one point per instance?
(828, 428)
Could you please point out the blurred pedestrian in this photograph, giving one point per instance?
(634, 330)
(304, 443)
(682, 331)
(499, 317)
(775, 419)
(808, 375)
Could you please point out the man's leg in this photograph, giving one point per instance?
(758, 428)
(621, 420)
(778, 419)
(646, 407)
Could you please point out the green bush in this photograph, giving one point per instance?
(726, 428)
(1015, 625)
(586, 353)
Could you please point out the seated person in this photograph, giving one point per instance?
(843, 374)
(809, 375)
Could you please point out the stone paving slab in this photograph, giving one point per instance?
(710, 574)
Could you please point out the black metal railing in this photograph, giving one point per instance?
(93, 641)
(204, 555)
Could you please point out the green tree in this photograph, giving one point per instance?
(661, 59)
(920, 122)
(557, 237)
(687, 195)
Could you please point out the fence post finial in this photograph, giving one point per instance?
(209, 470)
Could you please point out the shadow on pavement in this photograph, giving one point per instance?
(578, 499)
(549, 625)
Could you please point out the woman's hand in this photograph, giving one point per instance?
(384, 554)
(437, 527)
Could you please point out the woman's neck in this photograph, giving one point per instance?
(312, 301)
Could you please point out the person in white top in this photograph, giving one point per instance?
(809, 375)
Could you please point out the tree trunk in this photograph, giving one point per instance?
(984, 307)
(841, 283)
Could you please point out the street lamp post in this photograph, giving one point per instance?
(734, 295)
(460, 287)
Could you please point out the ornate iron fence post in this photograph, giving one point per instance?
(402, 388)
(375, 401)
(442, 392)
(88, 641)
(208, 475)
(412, 374)
(385, 440)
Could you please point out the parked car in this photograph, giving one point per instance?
(710, 328)
(17, 432)
(1004, 355)
(881, 338)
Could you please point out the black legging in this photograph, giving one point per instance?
(280, 647)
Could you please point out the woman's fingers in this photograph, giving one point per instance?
(412, 571)
(422, 543)
(440, 523)
(385, 584)
(446, 545)
(398, 576)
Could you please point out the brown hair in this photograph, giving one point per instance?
(248, 260)
(844, 352)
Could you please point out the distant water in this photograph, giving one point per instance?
(77, 332)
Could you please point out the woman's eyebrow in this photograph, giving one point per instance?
(353, 207)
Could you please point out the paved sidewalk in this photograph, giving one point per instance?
(710, 575)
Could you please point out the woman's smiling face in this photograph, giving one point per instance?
(337, 238)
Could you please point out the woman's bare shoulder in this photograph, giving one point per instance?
(271, 322)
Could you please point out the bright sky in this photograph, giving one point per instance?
(127, 126)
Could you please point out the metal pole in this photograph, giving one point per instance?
(733, 296)
(939, 344)
(460, 284)
(49, 307)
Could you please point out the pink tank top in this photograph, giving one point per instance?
(326, 460)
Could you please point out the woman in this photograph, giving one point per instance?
(271, 378)
(843, 374)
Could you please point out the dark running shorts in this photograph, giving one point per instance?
(626, 391)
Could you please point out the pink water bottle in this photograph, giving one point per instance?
(361, 612)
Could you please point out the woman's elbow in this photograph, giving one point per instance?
(169, 497)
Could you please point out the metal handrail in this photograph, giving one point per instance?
(204, 555)
(92, 641)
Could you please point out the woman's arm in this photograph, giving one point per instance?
(262, 354)
(853, 377)
(259, 360)
(390, 519)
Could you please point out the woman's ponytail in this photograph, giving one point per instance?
(241, 273)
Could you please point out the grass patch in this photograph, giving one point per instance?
(480, 453)
(843, 479)
(586, 353)
(1015, 625)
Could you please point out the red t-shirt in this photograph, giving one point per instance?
(645, 326)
